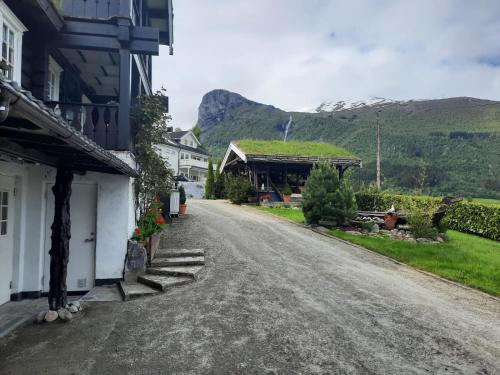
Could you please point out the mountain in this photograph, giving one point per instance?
(452, 145)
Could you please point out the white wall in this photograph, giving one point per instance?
(171, 155)
(115, 222)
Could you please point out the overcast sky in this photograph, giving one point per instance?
(295, 54)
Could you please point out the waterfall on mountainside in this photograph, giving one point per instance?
(287, 128)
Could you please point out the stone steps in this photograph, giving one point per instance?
(136, 290)
(163, 283)
(170, 268)
(178, 261)
(183, 271)
(179, 253)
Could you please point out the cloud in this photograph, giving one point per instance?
(295, 54)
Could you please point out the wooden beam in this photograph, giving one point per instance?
(60, 237)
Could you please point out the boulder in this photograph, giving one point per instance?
(72, 309)
(50, 316)
(40, 317)
(443, 236)
(65, 315)
(375, 229)
(423, 240)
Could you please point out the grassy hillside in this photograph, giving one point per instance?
(292, 148)
(452, 145)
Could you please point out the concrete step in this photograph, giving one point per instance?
(192, 272)
(164, 282)
(179, 261)
(136, 290)
(178, 253)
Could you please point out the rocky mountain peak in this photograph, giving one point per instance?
(216, 103)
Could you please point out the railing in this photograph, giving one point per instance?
(193, 163)
(100, 9)
(99, 122)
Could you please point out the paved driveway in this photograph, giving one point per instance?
(274, 299)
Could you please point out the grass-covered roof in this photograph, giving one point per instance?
(292, 148)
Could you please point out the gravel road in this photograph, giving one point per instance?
(274, 298)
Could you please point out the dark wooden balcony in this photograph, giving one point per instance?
(100, 9)
(99, 122)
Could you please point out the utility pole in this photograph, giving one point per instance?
(378, 151)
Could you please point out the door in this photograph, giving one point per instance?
(6, 236)
(81, 265)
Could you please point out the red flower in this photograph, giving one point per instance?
(159, 219)
(138, 231)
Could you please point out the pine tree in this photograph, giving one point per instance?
(210, 183)
(219, 182)
(327, 197)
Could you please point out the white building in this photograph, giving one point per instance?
(66, 163)
(185, 155)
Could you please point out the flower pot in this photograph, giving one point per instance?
(390, 221)
(153, 245)
(286, 198)
(182, 209)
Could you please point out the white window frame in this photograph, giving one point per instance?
(54, 83)
(8, 18)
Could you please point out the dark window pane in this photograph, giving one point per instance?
(5, 198)
(3, 228)
(4, 213)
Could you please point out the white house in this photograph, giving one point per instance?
(185, 155)
(65, 116)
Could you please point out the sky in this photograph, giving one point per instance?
(296, 54)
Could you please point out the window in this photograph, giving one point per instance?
(182, 155)
(54, 79)
(4, 212)
(12, 38)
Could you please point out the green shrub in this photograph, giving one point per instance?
(328, 198)
(420, 222)
(476, 218)
(287, 190)
(210, 182)
(239, 189)
(182, 195)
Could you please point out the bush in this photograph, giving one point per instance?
(182, 195)
(420, 222)
(239, 189)
(476, 218)
(287, 190)
(327, 198)
(210, 182)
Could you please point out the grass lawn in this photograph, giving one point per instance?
(467, 259)
(294, 215)
(292, 148)
(495, 202)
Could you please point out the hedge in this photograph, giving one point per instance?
(476, 218)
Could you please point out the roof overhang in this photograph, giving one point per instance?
(40, 15)
(161, 16)
(32, 132)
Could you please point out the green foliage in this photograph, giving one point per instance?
(287, 190)
(239, 189)
(182, 195)
(328, 198)
(220, 180)
(150, 223)
(210, 182)
(155, 176)
(197, 131)
(470, 217)
(468, 259)
(457, 140)
(291, 148)
(420, 222)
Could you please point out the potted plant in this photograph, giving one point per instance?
(182, 200)
(287, 193)
(148, 230)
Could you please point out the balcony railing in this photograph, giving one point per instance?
(99, 9)
(99, 122)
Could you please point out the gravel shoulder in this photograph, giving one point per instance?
(274, 298)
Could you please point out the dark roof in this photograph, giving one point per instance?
(198, 150)
(177, 135)
(49, 135)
